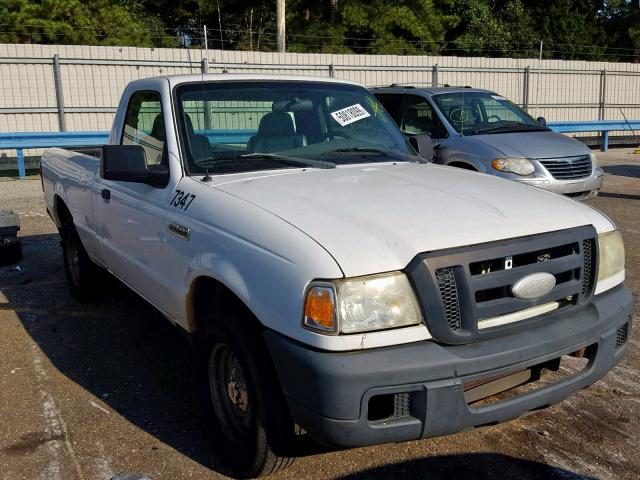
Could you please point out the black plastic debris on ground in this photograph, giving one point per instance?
(10, 248)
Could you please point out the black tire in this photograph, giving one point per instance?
(83, 276)
(10, 252)
(252, 429)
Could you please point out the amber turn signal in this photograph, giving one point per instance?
(319, 308)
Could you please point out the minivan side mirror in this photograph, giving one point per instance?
(423, 145)
(541, 121)
(128, 163)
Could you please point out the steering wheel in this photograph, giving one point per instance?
(497, 118)
(332, 135)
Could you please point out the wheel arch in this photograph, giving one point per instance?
(463, 165)
(61, 212)
(207, 293)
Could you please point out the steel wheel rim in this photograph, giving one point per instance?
(229, 392)
(73, 260)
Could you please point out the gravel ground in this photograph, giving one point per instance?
(90, 391)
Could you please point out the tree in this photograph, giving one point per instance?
(90, 22)
(571, 28)
(376, 26)
(496, 28)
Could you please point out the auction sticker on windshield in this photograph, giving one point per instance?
(350, 114)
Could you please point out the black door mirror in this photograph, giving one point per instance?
(541, 121)
(127, 163)
(423, 145)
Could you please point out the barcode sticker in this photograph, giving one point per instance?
(350, 114)
(498, 97)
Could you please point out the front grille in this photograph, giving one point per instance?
(569, 168)
(588, 273)
(621, 335)
(449, 295)
(459, 289)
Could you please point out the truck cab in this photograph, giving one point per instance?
(334, 283)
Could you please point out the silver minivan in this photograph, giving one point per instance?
(483, 131)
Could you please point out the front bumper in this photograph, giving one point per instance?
(581, 188)
(328, 393)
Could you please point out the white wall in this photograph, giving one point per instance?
(93, 77)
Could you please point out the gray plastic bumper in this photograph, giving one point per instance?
(328, 392)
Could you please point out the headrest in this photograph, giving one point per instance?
(410, 115)
(188, 123)
(276, 124)
(157, 130)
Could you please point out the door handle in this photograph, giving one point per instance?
(106, 193)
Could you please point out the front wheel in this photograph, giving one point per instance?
(252, 429)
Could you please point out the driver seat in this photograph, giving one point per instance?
(276, 134)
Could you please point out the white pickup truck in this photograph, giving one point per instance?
(337, 286)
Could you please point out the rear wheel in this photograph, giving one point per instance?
(82, 274)
(252, 429)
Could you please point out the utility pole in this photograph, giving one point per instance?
(280, 32)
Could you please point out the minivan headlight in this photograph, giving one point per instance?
(519, 166)
(362, 304)
(611, 261)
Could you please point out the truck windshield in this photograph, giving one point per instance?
(477, 113)
(228, 127)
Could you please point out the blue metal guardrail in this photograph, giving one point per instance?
(604, 126)
(22, 141)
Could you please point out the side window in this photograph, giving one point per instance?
(418, 118)
(391, 103)
(144, 126)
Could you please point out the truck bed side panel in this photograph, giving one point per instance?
(70, 176)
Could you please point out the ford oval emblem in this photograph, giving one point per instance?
(533, 286)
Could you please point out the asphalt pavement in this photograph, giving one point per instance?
(89, 391)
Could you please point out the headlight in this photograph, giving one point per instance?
(362, 304)
(611, 250)
(519, 166)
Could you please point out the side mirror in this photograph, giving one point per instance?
(423, 145)
(541, 121)
(128, 163)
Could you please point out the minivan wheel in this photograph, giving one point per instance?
(82, 274)
(253, 433)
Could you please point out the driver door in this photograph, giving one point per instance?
(132, 215)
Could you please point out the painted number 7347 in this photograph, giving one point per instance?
(182, 199)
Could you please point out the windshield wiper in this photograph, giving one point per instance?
(510, 127)
(366, 151)
(360, 151)
(305, 162)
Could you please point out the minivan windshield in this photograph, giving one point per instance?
(229, 127)
(477, 113)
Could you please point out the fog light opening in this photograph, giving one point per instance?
(381, 407)
(390, 406)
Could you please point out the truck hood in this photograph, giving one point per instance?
(533, 144)
(376, 218)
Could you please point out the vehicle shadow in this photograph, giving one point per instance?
(632, 171)
(123, 352)
(477, 466)
(119, 349)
